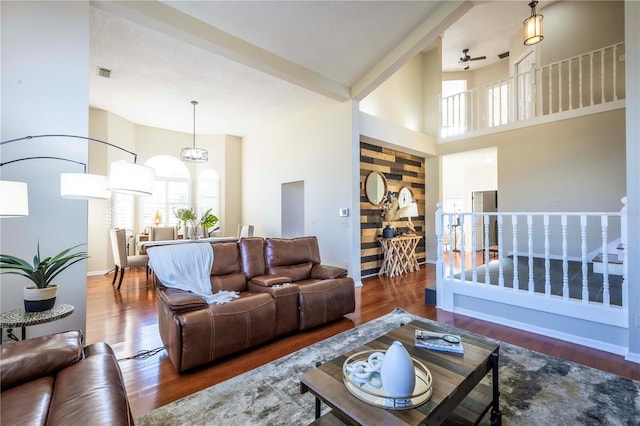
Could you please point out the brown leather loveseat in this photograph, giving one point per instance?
(282, 288)
(54, 380)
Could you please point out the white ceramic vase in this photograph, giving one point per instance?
(397, 372)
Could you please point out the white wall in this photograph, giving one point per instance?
(45, 89)
(399, 100)
(314, 146)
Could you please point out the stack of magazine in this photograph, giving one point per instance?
(439, 341)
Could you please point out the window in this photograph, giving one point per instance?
(454, 107)
(209, 192)
(122, 210)
(171, 191)
(498, 104)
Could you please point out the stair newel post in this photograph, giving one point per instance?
(585, 266)
(623, 243)
(439, 248)
(604, 223)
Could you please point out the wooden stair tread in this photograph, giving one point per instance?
(611, 258)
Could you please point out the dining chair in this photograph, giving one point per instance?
(162, 233)
(245, 231)
(121, 259)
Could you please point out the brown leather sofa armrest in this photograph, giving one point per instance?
(180, 300)
(270, 280)
(324, 272)
(31, 359)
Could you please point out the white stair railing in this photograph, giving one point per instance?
(546, 239)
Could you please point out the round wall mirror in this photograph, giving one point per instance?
(375, 187)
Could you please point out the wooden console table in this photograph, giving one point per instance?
(399, 255)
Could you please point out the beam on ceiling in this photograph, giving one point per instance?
(161, 17)
(418, 40)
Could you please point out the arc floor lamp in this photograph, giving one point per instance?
(124, 177)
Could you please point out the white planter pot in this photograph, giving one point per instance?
(40, 299)
(397, 372)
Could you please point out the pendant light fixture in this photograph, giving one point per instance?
(193, 154)
(533, 26)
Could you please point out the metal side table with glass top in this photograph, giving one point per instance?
(20, 318)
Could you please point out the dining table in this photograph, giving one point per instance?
(144, 245)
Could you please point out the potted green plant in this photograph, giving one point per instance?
(42, 295)
(188, 218)
(207, 221)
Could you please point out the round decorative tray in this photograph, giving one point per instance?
(361, 376)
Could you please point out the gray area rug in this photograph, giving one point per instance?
(535, 389)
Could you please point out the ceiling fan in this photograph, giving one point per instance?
(464, 57)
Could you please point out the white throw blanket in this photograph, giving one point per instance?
(187, 267)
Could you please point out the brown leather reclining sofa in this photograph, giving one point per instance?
(282, 288)
(54, 380)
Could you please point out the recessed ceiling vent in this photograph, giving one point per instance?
(103, 72)
(503, 55)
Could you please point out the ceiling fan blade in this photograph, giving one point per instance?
(478, 58)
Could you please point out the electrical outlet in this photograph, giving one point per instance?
(621, 58)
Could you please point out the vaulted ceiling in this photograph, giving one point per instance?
(250, 62)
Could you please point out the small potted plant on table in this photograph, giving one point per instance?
(42, 295)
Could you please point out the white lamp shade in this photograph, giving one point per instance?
(130, 178)
(533, 30)
(83, 186)
(14, 199)
(410, 210)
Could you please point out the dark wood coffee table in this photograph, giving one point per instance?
(458, 396)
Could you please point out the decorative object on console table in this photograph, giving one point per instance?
(409, 211)
(42, 296)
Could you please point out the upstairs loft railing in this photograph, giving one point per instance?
(589, 80)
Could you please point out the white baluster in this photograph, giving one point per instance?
(463, 276)
(604, 222)
(565, 260)
(452, 239)
(547, 263)
(602, 75)
(615, 68)
(516, 283)
(474, 242)
(487, 277)
(585, 269)
(530, 235)
(500, 269)
(580, 82)
(570, 84)
(559, 86)
(591, 76)
(550, 91)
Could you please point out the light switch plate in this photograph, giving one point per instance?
(343, 212)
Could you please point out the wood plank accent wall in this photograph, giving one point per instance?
(400, 169)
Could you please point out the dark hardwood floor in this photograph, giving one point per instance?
(127, 320)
